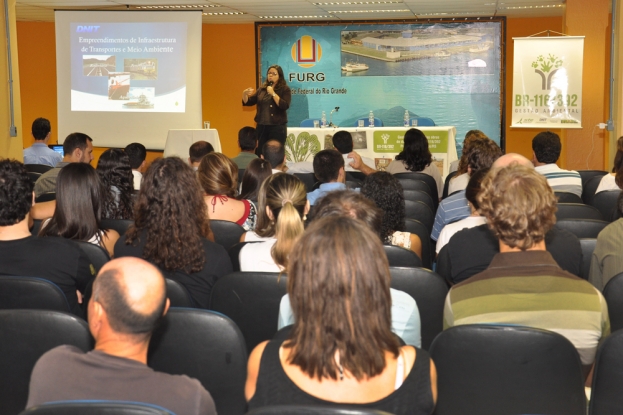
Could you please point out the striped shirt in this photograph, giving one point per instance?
(529, 289)
(451, 209)
(561, 180)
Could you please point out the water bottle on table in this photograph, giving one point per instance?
(371, 119)
(323, 120)
(406, 119)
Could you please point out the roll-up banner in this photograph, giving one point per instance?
(547, 82)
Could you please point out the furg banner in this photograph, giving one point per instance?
(547, 82)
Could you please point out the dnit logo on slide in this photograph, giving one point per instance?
(87, 29)
(306, 52)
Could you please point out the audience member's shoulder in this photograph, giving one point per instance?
(187, 389)
(469, 235)
(55, 243)
(57, 357)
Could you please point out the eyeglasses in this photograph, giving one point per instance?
(273, 73)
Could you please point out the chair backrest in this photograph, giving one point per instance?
(96, 408)
(422, 121)
(606, 202)
(313, 410)
(45, 197)
(178, 295)
(582, 228)
(418, 195)
(589, 187)
(588, 246)
(308, 179)
(613, 293)
(226, 233)
(416, 227)
(492, 370)
(25, 335)
(377, 122)
(234, 254)
(420, 211)
(251, 300)
(401, 257)
(36, 227)
(587, 175)
(577, 211)
(429, 291)
(606, 397)
(34, 176)
(38, 168)
(446, 184)
(96, 254)
(309, 122)
(31, 293)
(567, 197)
(120, 225)
(206, 346)
(426, 178)
(355, 176)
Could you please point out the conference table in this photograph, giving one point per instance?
(381, 144)
(179, 141)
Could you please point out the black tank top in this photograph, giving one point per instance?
(274, 387)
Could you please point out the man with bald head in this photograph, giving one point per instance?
(129, 299)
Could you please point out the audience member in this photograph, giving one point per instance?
(473, 220)
(55, 259)
(607, 259)
(113, 168)
(129, 298)
(460, 165)
(39, 152)
(523, 285)
(254, 175)
(171, 230)
(247, 141)
(459, 181)
(78, 148)
(348, 203)
(482, 154)
(78, 209)
(218, 176)
(137, 154)
(546, 148)
(196, 152)
(416, 157)
(275, 153)
(341, 351)
(387, 194)
(282, 209)
(611, 181)
(329, 170)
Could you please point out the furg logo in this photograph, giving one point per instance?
(306, 51)
(87, 29)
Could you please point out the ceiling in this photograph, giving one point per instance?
(248, 11)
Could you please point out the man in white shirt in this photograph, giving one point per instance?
(137, 154)
(546, 148)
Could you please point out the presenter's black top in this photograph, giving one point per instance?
(274, 387)
(268, 112)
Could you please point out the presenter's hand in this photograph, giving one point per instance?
(270, 90)
(247, 93)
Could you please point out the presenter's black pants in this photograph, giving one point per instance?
(270, 132)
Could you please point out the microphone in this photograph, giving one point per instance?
(270, 83)
(336, 109)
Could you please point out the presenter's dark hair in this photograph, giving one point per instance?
(113, 168)
(247, 139)
(254, 175)
(74, 141)
(386, 192)
(198, 150)
(41, 128)
(281, 83)
(15, 192)
(274, 152)
(171, 212)
(327, 164)
(343, 142)
(415, 154)
(137, 154)
(546, 146)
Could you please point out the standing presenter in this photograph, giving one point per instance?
(273, 100)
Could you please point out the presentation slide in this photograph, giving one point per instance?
(118, 72)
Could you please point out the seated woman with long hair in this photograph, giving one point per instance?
(341, 350)
(77, 211)
(282, 208)
(614, 180)
(218, 176)
(416, 157)
(113, 168)
(254, 175)
(171, 230)
(387, 193)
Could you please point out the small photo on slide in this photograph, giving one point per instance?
(118, 85)
(98, 65)
(141, 98)
(360, 142)
(141, 69)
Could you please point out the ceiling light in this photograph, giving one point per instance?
(543, 6)
(221, 13)
(371, 11)
(295, 17)
(340, 3)
(179, 6)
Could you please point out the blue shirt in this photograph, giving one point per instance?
(39, 153)
(323, 190)
(450, 210)
(405, 317)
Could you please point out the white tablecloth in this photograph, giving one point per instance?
(381, 144)
(179, 141)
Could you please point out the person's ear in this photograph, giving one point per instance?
(33, 198)
(269, 213)
(166, 307)
(142, 166)
(77, 154)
